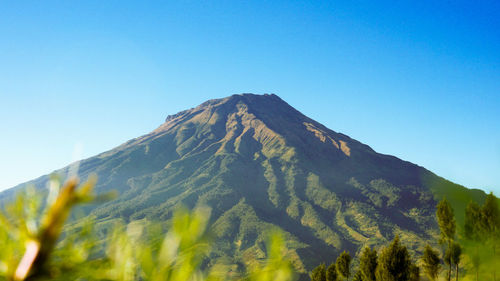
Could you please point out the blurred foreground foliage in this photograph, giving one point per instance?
(36, 243)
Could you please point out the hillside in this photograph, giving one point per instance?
(259, 163)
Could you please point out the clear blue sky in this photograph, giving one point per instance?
(416, 79)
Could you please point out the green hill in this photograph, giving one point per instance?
(259, 163)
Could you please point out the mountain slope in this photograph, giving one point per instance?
(259, 163)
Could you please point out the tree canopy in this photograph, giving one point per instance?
(344, 264)
(394, 262)
(319, 273)
(431, 262)
(368, 264)
(331, 272)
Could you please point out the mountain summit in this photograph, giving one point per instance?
(259, 163)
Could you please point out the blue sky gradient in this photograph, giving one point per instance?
(416, 79)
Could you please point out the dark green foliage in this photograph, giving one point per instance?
(447, 226)
(446, 220)
(331, 272)
(482, 225)
(474, 231)
(455, 253)
(394, 263)
(431, 262)
(414, 272)
(447, 261)
(491, 214)
(474, 222)
(368, 264)
(344, 265)
(319, 273)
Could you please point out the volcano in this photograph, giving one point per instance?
(261, 164)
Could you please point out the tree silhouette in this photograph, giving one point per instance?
(394, 263)
(368, 264)
(414, 272)
(455, 253)
(474, 227)
(447, 226)
(343, 265)
(431, 262)
(319, 273)
(491, 216)
(331, 272)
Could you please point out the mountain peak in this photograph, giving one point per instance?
(248, 98)
(231, 100)
(264, 107)
(252, 96)
(266, 116)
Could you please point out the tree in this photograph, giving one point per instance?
(368, 264)
(446, 220)
(474, 232)
(331, 272)
(491, 217)
(447, 226)
(482, 228)
(474, 222)
(455, 253)
(431, 262)
(394, 263)
(343, 265)
(414, 272)
(447, 261)
(319, 273)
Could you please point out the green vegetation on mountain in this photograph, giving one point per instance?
(480, 242)
(260, 164)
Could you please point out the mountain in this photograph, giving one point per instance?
(259, 163)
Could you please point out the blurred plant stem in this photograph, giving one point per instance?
(40, 247)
